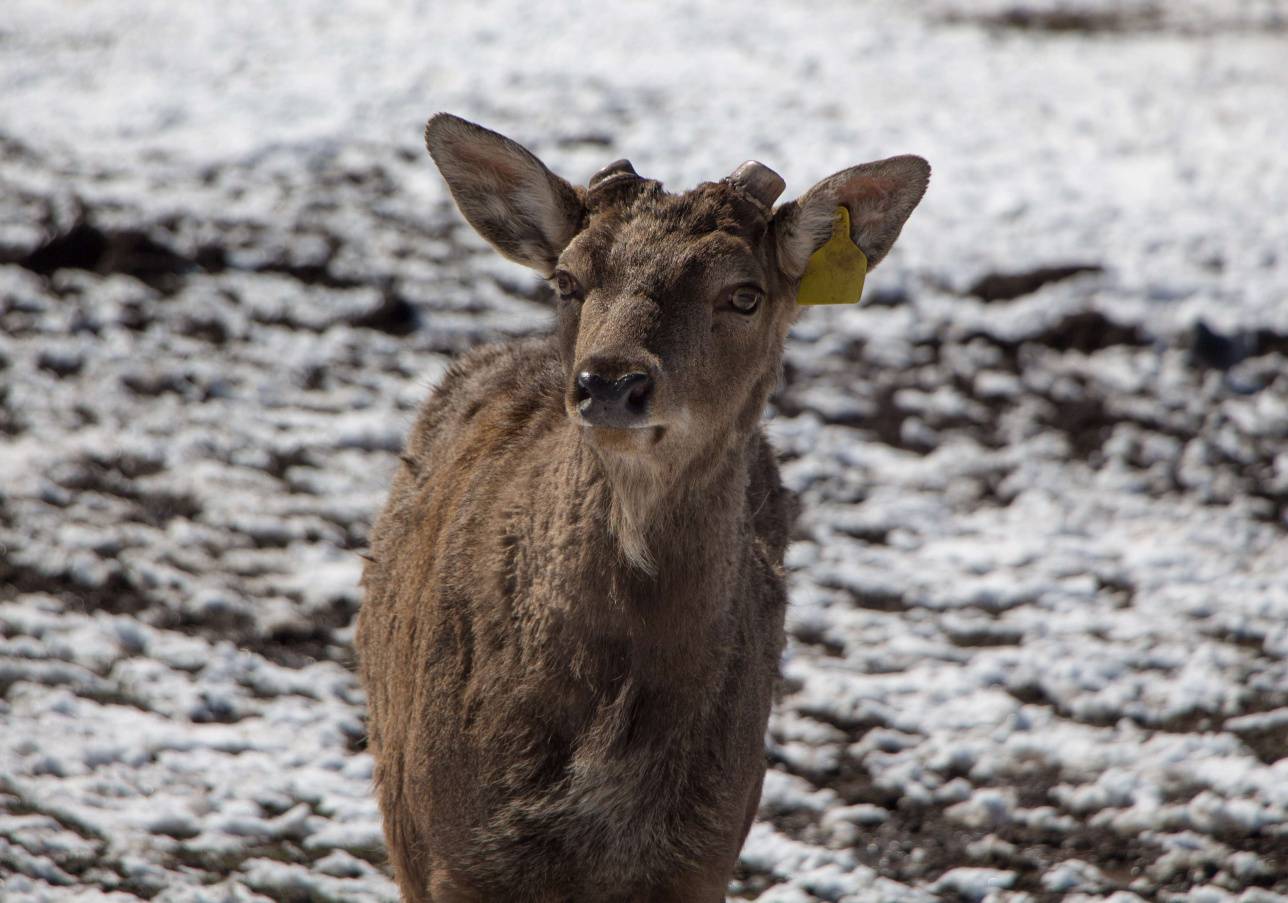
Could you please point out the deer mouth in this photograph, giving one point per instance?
(623, 439)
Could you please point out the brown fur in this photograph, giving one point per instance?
(570, 635)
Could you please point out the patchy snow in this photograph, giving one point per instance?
(1039, 622)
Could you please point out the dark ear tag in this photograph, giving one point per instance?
(835, 272)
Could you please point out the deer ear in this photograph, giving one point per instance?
(880, 196)
(524, 210)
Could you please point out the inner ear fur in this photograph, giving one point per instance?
(880, 196)
(519, 206)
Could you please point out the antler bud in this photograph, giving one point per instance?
(759, 182)
(614, 170)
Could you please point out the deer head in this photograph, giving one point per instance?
(672, 308)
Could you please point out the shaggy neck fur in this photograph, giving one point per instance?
(651, 507)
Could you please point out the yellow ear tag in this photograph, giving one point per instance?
(834, 273)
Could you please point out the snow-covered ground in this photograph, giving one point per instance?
(1039, 632)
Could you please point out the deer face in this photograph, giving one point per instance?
(673, 308)
(672, 314)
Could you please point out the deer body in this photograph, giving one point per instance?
(574, 607)
(580, 727)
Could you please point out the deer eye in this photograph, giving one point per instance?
(567, 287)
(745, 299)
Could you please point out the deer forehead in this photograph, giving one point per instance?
(657, 248)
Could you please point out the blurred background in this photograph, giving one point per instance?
(1039, 624)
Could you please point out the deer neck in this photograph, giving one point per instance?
(665, 519)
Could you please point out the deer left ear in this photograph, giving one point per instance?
(880, 196)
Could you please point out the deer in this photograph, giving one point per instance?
(574, 601)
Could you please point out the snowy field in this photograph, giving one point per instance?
(1039, 631)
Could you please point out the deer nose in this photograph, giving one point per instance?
(621, 402)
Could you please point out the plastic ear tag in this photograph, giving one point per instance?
(834, 273)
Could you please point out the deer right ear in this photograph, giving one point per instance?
(524, 210)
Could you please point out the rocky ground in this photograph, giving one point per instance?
(1039, 624)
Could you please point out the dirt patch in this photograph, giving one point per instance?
(86, 246)
(1068, 21)
(394, 315)
(119, 593)
(155, 507)
(1084, 331)
(1111, 22)
(12, 423)
(869, 599)
(1007, 286)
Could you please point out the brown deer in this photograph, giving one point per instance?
(574, 603)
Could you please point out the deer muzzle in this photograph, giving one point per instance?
(617, 402)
